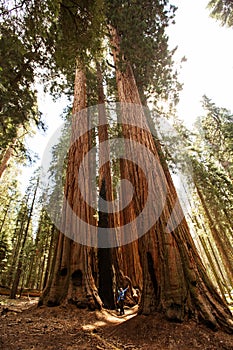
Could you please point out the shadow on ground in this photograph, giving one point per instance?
(25, 326)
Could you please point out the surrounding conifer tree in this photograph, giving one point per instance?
(222, 10)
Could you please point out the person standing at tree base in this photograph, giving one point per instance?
(121, 299)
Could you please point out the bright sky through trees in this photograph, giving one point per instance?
(209, 68)
(208, 49)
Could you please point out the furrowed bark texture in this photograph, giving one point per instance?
(129, 257)
(72, 280)
(174, 279)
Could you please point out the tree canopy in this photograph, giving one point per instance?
(222, 10)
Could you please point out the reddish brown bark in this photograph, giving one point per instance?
(5, 160)
(174, 278)
(72, 280)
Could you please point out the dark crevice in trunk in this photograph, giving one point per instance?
(151, 270)
(63, 272)
(105, 258)
(77, 278)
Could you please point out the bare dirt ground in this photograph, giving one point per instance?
(25, 326)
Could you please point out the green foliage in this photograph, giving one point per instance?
(9, 197)
(206, 161)
(76, 36)
(21, 53)
(3, 255)
(57, 33)
(18, 100)
(18, 232)
(9, 203)
(213, 166)
(204, 156)
(141, 26)
(208, 149)
(222, 10)
(27, 45)
(37, 251)
(211, 159)
(217, 128)
(79, 29)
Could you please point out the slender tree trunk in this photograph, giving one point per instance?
(7, 207)
(28, 283)
(51, 249)
(72, 280)
(40, 262)
(5, 160)
(174, 278)
(41, 275)
(213, 269)
(20, 262)
(216, 235)
(223, 234)
(35, 259)
(222, 278)
(229, 221)
(16, 250)
(51, 272)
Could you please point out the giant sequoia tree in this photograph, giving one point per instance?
(174, 280)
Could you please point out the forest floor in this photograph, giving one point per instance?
(25, 326)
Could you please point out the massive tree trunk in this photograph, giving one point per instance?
(174, 279)
(72, 280)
